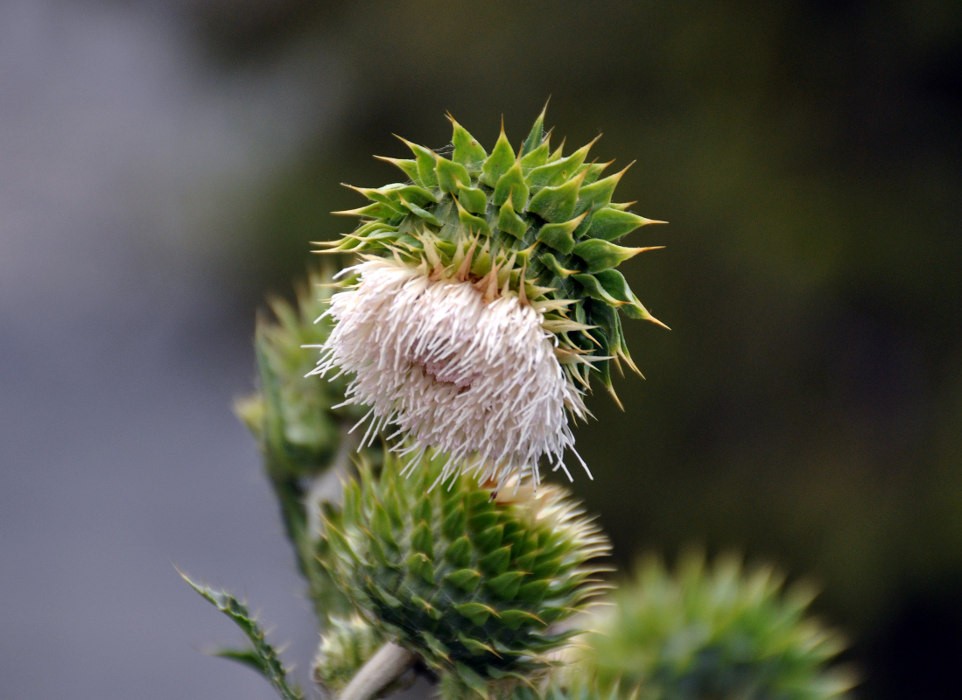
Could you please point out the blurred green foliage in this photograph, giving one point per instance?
(714, 630)
(807, 407)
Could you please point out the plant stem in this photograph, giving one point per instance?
(290, 496)
(300, 513)
(385, 667)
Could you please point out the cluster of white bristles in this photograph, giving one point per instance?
(474, 378)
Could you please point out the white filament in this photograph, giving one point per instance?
(476, 380)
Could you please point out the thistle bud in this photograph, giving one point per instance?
(474, 586)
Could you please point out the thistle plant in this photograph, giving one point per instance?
(406, 405)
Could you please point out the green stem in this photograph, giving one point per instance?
(301, 526)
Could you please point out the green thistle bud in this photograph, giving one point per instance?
(718, 632)
(474, 585)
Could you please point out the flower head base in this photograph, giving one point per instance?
(474, 377)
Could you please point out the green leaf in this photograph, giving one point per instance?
(546, 567)
(475, 647)
(594, 171)
(381, 525)
(261, 657)
(245, 657)
(425, 607)
(386, 196)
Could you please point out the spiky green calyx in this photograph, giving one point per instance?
(714, 631)
(474, 585)
(534, 221)
(294, 421)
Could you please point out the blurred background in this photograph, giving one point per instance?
(163, 167)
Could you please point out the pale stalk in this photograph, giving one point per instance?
(382, 669)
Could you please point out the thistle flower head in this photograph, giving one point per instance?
(487, 299)
(476, 379)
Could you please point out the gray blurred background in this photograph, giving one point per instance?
(163, 167)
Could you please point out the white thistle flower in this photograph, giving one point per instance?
(475, 378)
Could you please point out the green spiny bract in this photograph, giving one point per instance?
(293, 419)
(714, 632)
(474, 585)
(536, 221)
